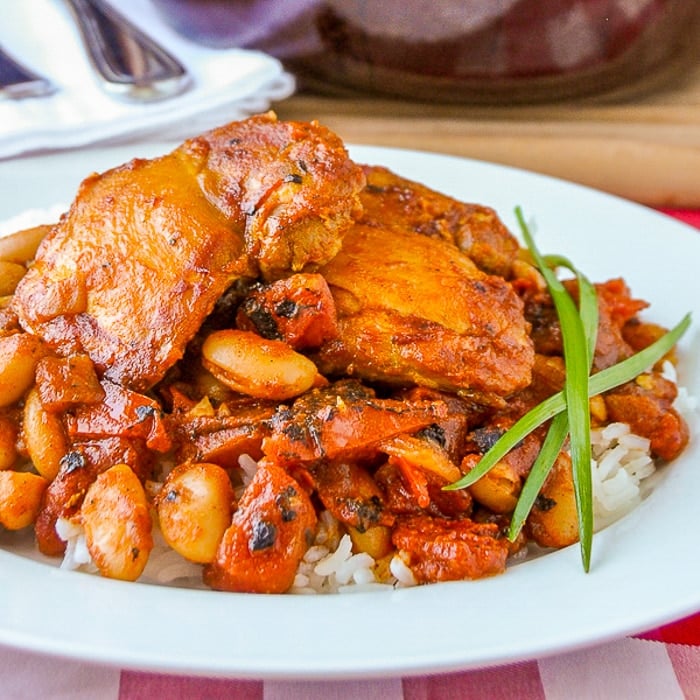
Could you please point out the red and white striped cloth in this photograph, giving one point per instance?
(662, 664)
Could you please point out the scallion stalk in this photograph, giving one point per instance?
(559, 427)
(577, 361)
(569, 409)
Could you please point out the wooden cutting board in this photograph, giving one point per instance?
(641, 142)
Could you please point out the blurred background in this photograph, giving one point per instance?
(604, 92)
(476, 51)
(601, 92)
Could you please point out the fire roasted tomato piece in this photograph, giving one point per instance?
(646, 405)
(450, 550)
(298, 310)
(269, 534)
(341, 421)
(351, 494)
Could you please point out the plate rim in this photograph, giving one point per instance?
(116, 651)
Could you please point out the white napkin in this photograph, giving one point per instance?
(227, 84)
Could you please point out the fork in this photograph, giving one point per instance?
(17, 81)
(132, 66)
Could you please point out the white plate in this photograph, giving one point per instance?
(644, 570)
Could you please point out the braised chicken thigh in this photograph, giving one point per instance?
(138, 262)
(395, 202)
(416, 310)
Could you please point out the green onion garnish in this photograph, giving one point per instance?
(588, 301)
(577, 360)
(569, 408)
(559, 428)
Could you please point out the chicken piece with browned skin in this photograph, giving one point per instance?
(416, 310)
(131, 271)
(392, 201)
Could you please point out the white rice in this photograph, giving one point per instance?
(329, 565)
(165, 566)
(248, 468)
(77, 555)
(621, 461)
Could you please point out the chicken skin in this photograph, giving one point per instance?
(134, 267)
(415, 310)
(395, 202)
